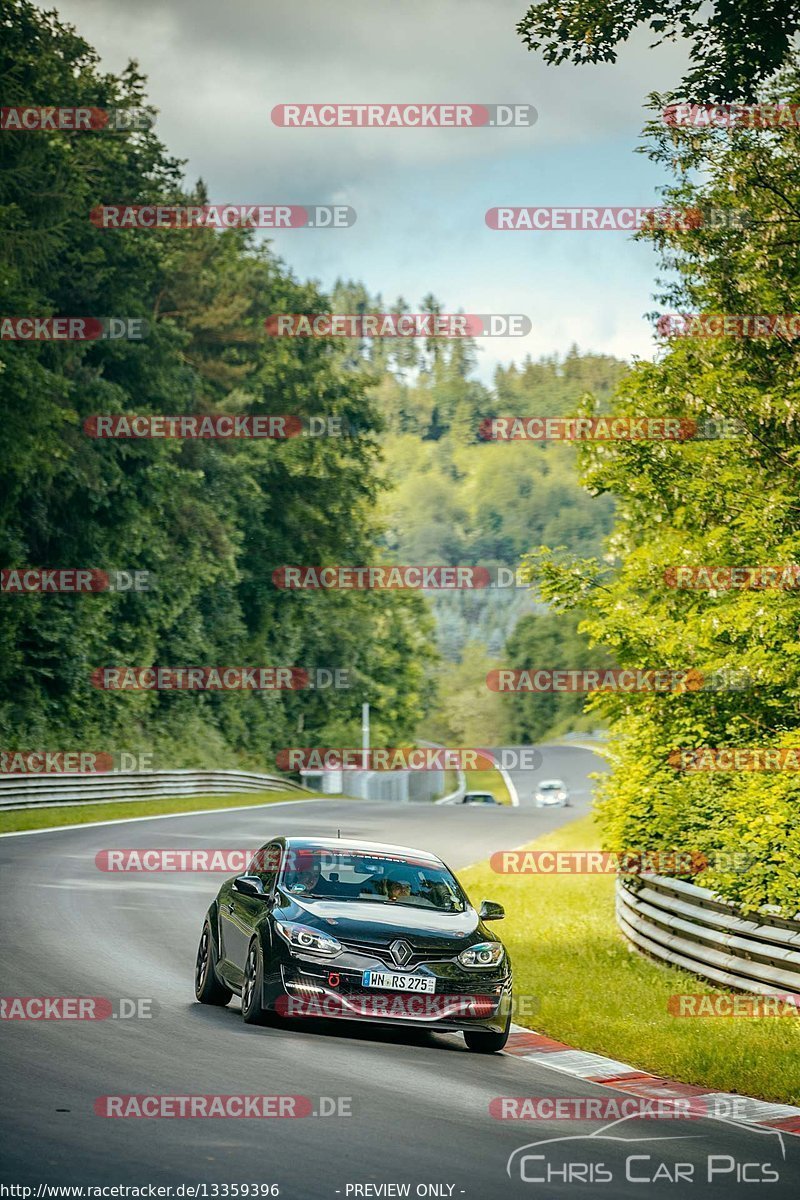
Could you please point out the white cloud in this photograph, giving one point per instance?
(216, 71)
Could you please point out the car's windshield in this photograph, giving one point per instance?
(551, 787)
(377, 878)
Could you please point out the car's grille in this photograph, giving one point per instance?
(384, 954)
(315, 981)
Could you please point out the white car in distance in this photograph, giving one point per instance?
(551, 793)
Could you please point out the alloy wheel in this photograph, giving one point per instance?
(249, 979)
(202, 959)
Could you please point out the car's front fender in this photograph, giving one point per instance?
(212, 916)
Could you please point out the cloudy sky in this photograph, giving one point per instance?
(216, 71)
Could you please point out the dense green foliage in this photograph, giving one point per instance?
(210, 519)
(735, 45)
(724, 502)
(455, 499)
(547, 640)
(467, 712)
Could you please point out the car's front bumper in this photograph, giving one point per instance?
(334, 989)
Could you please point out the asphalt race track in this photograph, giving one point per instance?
(419, 1101)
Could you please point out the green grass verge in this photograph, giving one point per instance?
(594, 993)
(81, 814)
(488, 781)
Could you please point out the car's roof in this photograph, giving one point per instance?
(551, 783)
(349, 844)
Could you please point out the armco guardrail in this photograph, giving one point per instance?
(53, 791)
(693, 928)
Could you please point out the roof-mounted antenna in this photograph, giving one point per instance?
(338, 833)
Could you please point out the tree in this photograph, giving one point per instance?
(734, 45)
(726, 502)
(211, 520)
(547, 641)
(468, 713)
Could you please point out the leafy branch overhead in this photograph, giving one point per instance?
(734, 45)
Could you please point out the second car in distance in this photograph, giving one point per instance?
(551, 792)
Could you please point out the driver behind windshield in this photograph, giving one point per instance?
(307, 879)
(397, 890)
(316, 875)
(306, 876)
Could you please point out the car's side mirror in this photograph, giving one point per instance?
(249, 885)
(489, 911)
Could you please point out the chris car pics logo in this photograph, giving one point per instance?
(602, 1157)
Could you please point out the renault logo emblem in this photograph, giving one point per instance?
(401, 952)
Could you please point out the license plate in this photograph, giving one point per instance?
(398, 983)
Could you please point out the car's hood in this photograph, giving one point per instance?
(375, 922)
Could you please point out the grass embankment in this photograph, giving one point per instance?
(81, 814)
(593, 993)
(488, 781)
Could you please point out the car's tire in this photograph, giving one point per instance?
(253, 985)
(207, 988)
(480, 1041)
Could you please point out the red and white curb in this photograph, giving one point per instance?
(594, 1068)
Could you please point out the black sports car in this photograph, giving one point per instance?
(361, 931)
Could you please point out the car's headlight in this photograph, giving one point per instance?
(562, 795)
(485, 954)
(301, 937)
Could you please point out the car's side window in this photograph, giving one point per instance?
(266, 863)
